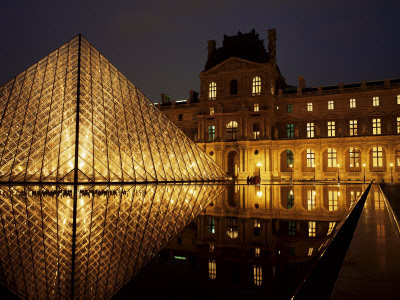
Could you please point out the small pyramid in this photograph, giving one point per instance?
(73, 117)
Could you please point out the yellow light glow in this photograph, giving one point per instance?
(259, 164)
(259, 194)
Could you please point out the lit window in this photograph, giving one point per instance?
(376, 126)
(352, 103)
(310, 199)
(312, 228)
(231, 130)
(398, 99)
(375, 101)
(290, 131)
(353, 127)
(332, 200)
(211, 224)
(257, 227)
(309, 106)
(289, 158)
(256, 90)
(377, 157)
(331, 226)
(332, 163)
(257, 275)
(256, 107)
(212, 247)
(398, 157)
(212, 269)
(292, 227)
(290, 199)
(256, 131)
(331, 128)
(310, 130)
(232, 227)
(310, 158)
(398, 124)
(212, 91)
(180, 117)
(310, 251)
(257, 252)
(354, 155)
(354, 196)
(211, 111)
(331, 104)
(211, 133)
(290, 108)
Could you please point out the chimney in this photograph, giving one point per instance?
(272, 46)
(302, 83)
(193, 96)
(211, 47)
(165, 98)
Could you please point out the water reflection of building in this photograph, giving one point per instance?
(254, 234)
(252, 123)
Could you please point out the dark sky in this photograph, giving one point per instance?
(161, 46)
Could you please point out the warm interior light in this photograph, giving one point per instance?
(391, 165)
(291, 165)
(259, 194)
(363, 165)
(259, 164)
(291, 192)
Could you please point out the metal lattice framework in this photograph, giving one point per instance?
(73, 117)
(87, 242)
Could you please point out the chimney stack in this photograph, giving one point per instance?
(272, 45)
(211, 47)
(302, 83)
(193, 96)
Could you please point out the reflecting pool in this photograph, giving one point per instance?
(252, 240)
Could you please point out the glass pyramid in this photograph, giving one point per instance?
(73, 117)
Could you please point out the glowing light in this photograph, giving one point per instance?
(259, 164)
(259, 194)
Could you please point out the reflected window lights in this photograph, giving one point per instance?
(354, 195)
(331, 104)
(256, 131)
(377, 157)
(310, 130)
(375, 101)
(397, 158)
(212, 91)
(376, 126)
(290, 199)
(332, 200)
(353, 127)
(212, 269)
(257, 275)
(212, 248)
(310, 251)
(354, 157)
(331, 128)
(290, 108)
(232, 226)
(256, 86)
(212, 111)
(309, 106)
(257, 252)
(211, 133)
(259, 194)
(292, 228)
(378, 200)
(398, 99)
(311, 199)
(398, 124)
(211, 224)
(331, 227)
(332, 161)
(257, 227)
(256, 107)
(352, 103)
(310, 158)
(312, 228)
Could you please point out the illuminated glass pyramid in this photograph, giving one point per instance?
(73, 117)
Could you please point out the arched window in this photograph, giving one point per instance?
(231, 130)
(256, 87)
(212, 91)
(233, 87)
(377, 157)
(310, 158)
(332, 162)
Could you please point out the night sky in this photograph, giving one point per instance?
(161, 46)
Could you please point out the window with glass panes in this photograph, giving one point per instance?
(398, 157)
(353, 127)
(309, 106)
(290, 199)
(212, 91)
(289, 159)
(398, 99)
(290, 108)
(256, 88)
(354, 155)
(310, 130)
(398, 124)
(331, 104)
(312, 228)
(212, 269)
(375, 101)
(310, 158)
(332, 163)
(211, 133)
(377, 157)
(257, 227)
(211, 224)
(257, 275)
(291, 227)
(211, 111)
(290, 131)
(256, 131)
(331, 128)
(376, 126)
(352, 103)
(332, 200)
(331, 227)
(311, 199)
(256, 107)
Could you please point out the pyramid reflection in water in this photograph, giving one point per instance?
(117, 229)
(73, 117)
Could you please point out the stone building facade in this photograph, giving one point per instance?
(252, 123)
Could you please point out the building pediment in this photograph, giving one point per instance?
(233, 64)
